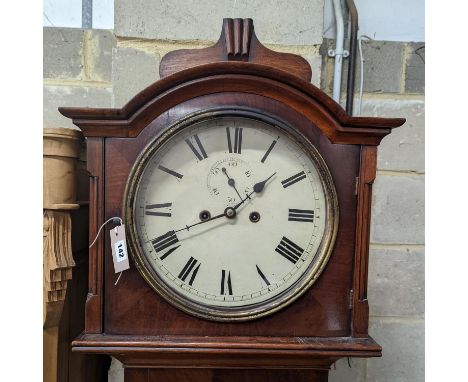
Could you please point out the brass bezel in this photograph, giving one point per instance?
(243, 313)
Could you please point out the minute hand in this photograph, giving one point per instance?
(187, 227)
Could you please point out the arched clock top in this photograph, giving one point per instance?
(239, 63)
(228, 77)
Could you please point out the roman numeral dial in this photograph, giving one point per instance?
(189, 271)
(164, 241)
(297, 215)
(168, 252)
(265, 156)
(162, 209)
(200, 153)
(236, 146)
(289, 250)
(226, 284)
(170, 172)
(293, 179)
(260, 273)
(229, 213)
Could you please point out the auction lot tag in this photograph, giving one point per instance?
(119, 248)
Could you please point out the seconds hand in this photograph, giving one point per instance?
(230, 212)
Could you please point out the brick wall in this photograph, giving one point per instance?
(106, 68)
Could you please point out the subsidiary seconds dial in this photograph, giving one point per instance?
(231, 218)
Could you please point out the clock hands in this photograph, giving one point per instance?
(231, 182)
(230, 212)
(258, 187)
(187, 227)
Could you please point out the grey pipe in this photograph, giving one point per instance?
(352, 56)
(338, 52)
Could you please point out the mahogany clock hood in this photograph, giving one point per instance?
(130, 321)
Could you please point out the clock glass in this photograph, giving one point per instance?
(231, 217)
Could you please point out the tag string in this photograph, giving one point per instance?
(114, 219)
(118, 278)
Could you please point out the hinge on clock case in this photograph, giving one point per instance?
(351, 293)
(356, 185)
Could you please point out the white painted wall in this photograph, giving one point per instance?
(388, 20)
(67, 13)
(103, 14)
(62, 13)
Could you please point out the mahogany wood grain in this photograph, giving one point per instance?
(95, 166)
(227, 352)
(242, 77)
(221, 375)
(133, 307)
(329, 344)
(136, 375)
(368, 168)
(237, 42)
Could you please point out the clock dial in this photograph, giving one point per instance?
(231, 217)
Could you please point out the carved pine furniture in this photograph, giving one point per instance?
(237, 133)
(61, 151)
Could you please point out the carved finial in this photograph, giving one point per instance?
(237, 43)
(237, 35)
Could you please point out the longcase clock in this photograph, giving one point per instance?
(246, 194)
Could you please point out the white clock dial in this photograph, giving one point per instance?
(230, 215)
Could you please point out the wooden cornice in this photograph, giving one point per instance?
(226, 352)
(234, 76)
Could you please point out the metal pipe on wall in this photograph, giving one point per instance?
(352, 55)
(87, 14)
(338, 52)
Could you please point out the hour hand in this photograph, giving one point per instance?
(258, 187)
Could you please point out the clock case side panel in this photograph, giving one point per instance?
(94, 301)
(367, 173)
(132, 306)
